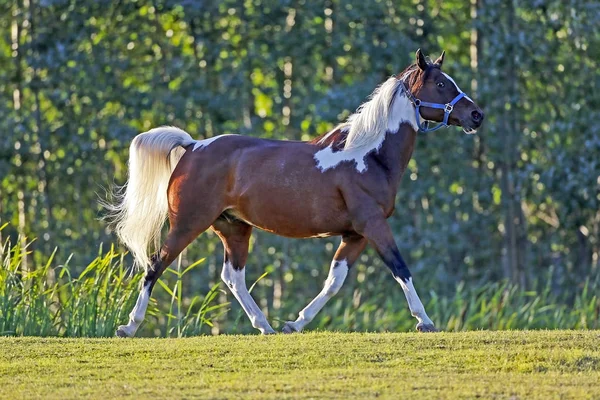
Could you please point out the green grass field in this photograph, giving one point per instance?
(516, 365)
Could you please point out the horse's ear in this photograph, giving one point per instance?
(440, 59)
(421, 61)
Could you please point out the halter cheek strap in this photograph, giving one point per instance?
(448, 107)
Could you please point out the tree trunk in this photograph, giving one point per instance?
(43, 136)
(16, 31)
(515, 238)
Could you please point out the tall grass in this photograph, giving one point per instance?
(49, 301)
(200, 311)
(493, 306)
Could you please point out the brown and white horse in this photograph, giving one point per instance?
(341, 184)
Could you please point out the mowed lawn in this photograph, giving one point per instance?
(517, 365)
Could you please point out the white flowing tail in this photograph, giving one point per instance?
(142, 204)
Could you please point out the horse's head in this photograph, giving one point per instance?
(438, 98)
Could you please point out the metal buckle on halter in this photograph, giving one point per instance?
(448, 108)
(417, 102)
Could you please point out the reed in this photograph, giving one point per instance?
(48, 300)
(491, 306)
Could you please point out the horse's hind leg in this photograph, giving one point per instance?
(345, 256)
(235, 237)
(181, 234)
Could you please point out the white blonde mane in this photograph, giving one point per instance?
(380, 114)
(386, 109)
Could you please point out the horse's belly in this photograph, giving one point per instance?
(297, 219)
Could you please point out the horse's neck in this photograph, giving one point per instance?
(396, 151)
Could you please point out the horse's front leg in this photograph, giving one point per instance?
(345, 256)
(376, 229)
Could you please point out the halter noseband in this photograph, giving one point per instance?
(448, 107)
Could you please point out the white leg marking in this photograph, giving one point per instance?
(236, 281)
(337, 275)
(205, 142)
(414, 302)
(136, 317)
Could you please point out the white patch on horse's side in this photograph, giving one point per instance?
(384, 112)
(414, 302)
(136, 317)
(205, 142)
(326, 158)
(335, 279)
(236, 281)
(456, 85)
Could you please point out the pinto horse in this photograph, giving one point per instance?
(343, 183)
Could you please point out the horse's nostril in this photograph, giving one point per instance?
(477, 116)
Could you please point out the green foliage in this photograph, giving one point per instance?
(522, 198)
(493, 306)
(488, 365)
(49, 301)
(196, 316)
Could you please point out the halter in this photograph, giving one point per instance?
(448, 107)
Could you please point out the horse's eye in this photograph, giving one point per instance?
(440, 84)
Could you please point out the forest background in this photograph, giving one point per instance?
(509, 217)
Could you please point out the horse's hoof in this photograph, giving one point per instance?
(122, 332)
(289, 327)
(421, 327)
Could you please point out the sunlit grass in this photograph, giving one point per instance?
(464, 365)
